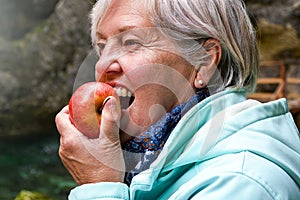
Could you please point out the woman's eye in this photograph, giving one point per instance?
(131, 44)
(101, 47)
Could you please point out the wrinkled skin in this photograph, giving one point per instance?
(100, 160)
(159, 78)
(90, 160)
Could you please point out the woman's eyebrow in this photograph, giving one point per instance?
(126, 28)
(123, 29)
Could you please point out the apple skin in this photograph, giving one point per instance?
(85, 107)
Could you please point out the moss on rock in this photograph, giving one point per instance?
(29, 195)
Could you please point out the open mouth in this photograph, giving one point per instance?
(126, 97)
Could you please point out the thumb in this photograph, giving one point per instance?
(109, 140)
(110, 120)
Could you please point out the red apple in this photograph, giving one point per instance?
(86, 105)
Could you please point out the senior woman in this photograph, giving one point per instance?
(188, 130)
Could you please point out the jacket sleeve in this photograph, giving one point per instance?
(233, 186)
(105, 190)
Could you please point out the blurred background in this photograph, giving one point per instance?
(43, 43)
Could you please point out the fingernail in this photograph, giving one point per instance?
(106, 100)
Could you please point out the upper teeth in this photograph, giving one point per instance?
(123, 92)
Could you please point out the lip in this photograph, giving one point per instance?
(112, 84)
(119, 85)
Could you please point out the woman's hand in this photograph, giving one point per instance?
(92, 160)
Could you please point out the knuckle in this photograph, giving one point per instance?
(110, 118)
(108, 122)
(61, 152)
(57, 118)
(66, 144)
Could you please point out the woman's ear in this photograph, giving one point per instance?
(207, 69)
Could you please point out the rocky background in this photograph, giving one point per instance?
(43, 44)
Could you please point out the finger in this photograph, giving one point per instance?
(63, 123)
(70, 140)
(110, 120)
(65, 109)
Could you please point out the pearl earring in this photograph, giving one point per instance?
(200, 82)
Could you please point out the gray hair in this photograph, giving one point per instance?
(197, 20)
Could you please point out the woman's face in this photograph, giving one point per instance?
(135, 58)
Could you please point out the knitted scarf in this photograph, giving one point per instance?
(146, 147)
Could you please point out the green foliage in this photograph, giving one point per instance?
(33, 165)
(28, 195)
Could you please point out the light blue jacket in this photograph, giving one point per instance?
(226, 147)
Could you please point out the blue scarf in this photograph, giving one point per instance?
(147, 146)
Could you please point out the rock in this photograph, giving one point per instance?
(278, 28)
(38, 71)
(278, 41)
(18, 17)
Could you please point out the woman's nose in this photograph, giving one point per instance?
(104, 68)
(108, 63)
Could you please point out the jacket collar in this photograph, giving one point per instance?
(188, 126)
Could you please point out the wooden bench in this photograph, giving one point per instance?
(293, 81)
(279, 81)
(293, 97)
(282, 83)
